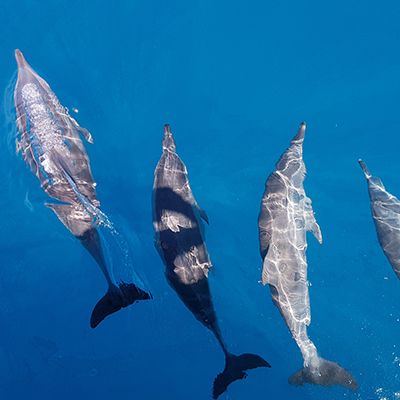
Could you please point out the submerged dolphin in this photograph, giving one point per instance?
(386, 214)
(180, 242)
(50, 144)
(286, 215)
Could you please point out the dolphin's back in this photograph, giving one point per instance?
(179, 236)
(50, 143)
(50, 139)
(177, 220)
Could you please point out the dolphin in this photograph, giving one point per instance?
(50, 143)
(286, 215)
(386, 214)
(177, 220)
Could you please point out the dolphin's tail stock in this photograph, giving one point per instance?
(235, 367)
(117, 297)
(325, 373)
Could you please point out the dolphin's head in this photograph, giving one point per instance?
(21, 62)
(25, 72)
(376, 186)
(168, 141)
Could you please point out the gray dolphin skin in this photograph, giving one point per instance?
(386, 215)
(286, 215)
(50, 143)
(177, 220)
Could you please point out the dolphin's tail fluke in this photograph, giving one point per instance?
(325, 373)
(235, 367)
(117, 297)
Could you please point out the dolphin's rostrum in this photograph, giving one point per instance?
(386, 214)
(285, 217)
(50, 143)
(178, 225)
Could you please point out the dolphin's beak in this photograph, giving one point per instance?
(301, 132)
(167, 129)
(20, 59)
(364, 168)
(168, 141)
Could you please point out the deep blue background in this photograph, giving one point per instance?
(234, 80)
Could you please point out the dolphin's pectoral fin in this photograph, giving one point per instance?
(316, 230)
(203, 215)
(85, 133)
(311, 223)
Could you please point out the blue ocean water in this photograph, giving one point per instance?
(234, 80)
